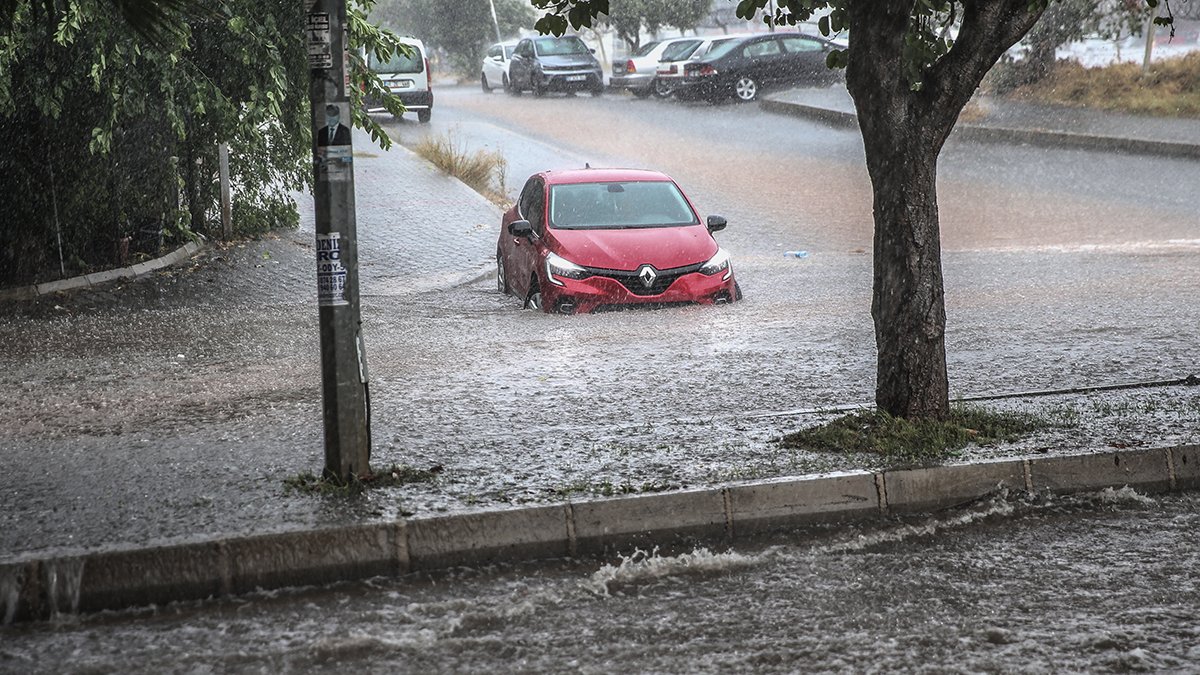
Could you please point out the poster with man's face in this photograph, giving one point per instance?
(334, 156)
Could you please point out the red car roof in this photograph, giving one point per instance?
(601, 176)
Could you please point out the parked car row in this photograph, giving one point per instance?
(710, 68)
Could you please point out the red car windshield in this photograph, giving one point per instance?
(619, 205)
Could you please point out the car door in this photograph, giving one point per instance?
(524, 256)
(766, 60)
(493, 65)
(805, 59)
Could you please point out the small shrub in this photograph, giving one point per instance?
(1170, 89)
(483, 170)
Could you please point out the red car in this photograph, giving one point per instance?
(590, 240)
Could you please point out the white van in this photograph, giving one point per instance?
(408, 77)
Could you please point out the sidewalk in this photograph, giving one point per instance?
(1008, 121)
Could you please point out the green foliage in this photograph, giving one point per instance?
(111, 137)
(461, 30)
(629, 17)
(916, 442)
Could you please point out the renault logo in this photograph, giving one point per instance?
(647, 274)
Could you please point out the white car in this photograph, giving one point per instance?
(494, 73)
(407, 76)
(637, 71)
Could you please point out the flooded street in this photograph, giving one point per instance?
(181, 403)
(1103, 582)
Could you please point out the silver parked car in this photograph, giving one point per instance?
(543, 64)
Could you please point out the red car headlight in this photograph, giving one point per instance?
(557, 266)
(717, 264)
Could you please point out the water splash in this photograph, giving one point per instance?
(640, 567)
(63, 578)
(1120, 497)
(12, 579)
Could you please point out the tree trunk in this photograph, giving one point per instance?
(904, 127)
(902, 137)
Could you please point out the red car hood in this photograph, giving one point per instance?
(628, 249)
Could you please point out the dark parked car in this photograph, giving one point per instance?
(543, 64)
(742, 68)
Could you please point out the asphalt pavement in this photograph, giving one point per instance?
(208, 460)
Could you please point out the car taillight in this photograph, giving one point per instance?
(428, 76)
(629, 67)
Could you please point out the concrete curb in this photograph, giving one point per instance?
(986, 134)
(98, 278)
(38, 588)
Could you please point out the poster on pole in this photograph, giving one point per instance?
(331, 273)
(334, 157)
(320, 41)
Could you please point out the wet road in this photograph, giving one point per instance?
(1095, 583)
(177, 406)
(787, 183)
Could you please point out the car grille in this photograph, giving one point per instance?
(603, 309)
(634, 283)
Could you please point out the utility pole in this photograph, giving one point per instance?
(495, 21)
(343, 362)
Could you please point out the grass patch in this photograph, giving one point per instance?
(903, 442)
(483, 170)
(1171, 89)
(394, 476)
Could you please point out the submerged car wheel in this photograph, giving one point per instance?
(484, 83)
(661, 89)
(536, 86)
(534, 299)
(423, 116)
(510, 87)
(501, 277)
(745, 89)
(737, 291)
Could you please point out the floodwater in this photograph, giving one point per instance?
(1102, 582)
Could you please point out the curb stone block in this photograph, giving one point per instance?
(942, 487)
(492, 536)
(97, 278)
(19, 293)
(1187, 467)
(62, 285)
(141, 269)
(316, 557)
(793, 502)
(119, 579)
(1146, 469)
(645, 520)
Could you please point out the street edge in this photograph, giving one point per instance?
(99, 278)
(986, 134)
(41, 588)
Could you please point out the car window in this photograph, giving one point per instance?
(678, 51)
(645, 49)
(525, 48)
(402, 63)
(493, 52)
(618, 205)
(722, 49)
(801, 44)
(552, 46)
(763, 48)
(524, 203)
(508, 52)
(537, 207)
